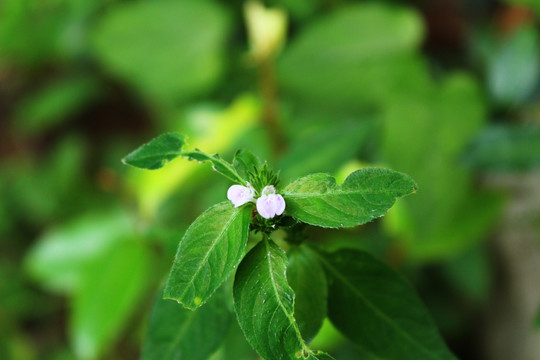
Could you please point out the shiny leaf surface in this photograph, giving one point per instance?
(365, 195)
(264, 304)
(209, 251)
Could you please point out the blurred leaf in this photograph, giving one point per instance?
(470, 273)
(434, 126)
(377, 309)
(365, 195)
(355, 55)
(264, 304)
(61, 257)
(54, 104)
(170, 50)
(109, 293)
(64, 170)
(27, 37)
(308, 281)
(537, 320)
(300, 8)
(328, 338)
(178, 333)
(235, 347)
(434, 123)
(209, 251)
(18, 300)
(156, 153)
(44, 33)
(505, 148)
(20, 347)
(473, 221)
(349, 167)
(457, 232)
(4, 350)
(46, 187)
(6, 222)
(324, 149)
(62, 354)
(513, 67)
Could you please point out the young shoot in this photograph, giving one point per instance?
(281, 298)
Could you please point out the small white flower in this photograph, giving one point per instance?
(239, 195)
(270, 204)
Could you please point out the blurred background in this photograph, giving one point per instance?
(443, 90)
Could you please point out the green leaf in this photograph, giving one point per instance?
(54, 103)
(109, 293)
(245, 162)
(264, 304)
(167, 147)
(45, 188)
(299, 9)
(235, 346)
(156, 153)
(513, 67)
(61, 256)
(150, 45)
(505, 148)
(178, 333)
(365, 195)
(355, 55)
(435, 126)
(209, 251)
(308, 280)
(29, 35)
(218, 164)
(377, 309)
(463, 228)
(471, 274)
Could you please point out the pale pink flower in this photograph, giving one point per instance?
(240, 195)
(270, 204)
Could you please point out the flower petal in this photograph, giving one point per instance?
(280, 204)
(266, 207)
(239, 195)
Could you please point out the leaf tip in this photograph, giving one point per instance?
(127, 160)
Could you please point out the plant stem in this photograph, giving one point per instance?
(271, 118)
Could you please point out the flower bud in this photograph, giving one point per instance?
(268, 190)
(266, 29)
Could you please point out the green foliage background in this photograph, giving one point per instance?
(447, 93)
